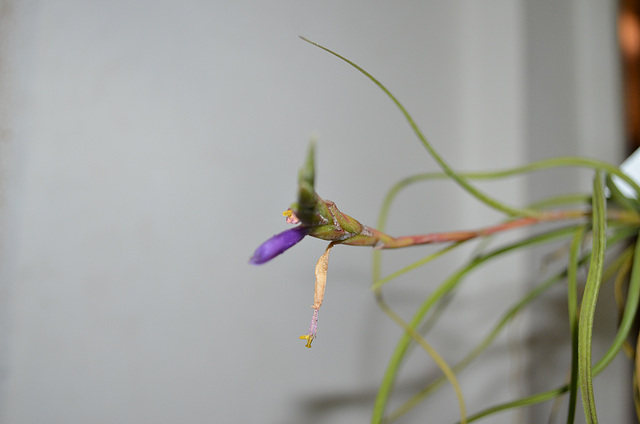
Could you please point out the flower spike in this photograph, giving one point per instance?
(323, 220)
(317, 218)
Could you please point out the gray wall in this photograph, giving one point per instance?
(149, 147)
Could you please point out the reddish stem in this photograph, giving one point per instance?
(388, 242)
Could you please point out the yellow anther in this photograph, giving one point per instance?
(291, 217)
(309, 339)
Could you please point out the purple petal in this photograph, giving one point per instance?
(277, 244)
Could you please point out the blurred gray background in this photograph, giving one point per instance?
(149, 146)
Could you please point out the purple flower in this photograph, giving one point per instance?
(277, 244)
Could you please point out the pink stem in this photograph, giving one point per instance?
(388, 242)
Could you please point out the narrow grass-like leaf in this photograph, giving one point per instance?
(508, 316)
(484, 198)
(448, 285)
(440, 362)
(568, 199)
(509, 172)
(535, 166)
(589, 299)
(620, 280)
(379, 283)
(519, 403)
(461, 180)
(572, 301)
(623, 331)
(633, 298)
(630, 310)
(482, 346)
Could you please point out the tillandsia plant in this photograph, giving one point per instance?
(605, 216)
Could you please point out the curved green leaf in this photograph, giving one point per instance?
(589, 299)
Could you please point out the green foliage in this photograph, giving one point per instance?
(612, 220)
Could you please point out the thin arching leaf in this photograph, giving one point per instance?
(589, 299)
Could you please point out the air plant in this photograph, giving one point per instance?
(605, 216)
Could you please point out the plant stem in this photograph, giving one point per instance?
(388, 242)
